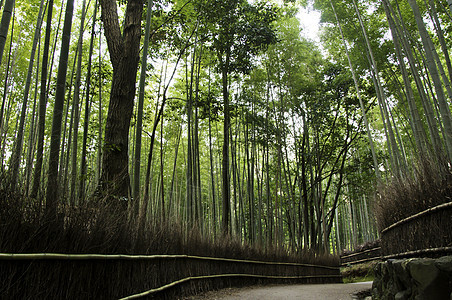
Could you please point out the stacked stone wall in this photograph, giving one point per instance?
(415, 278)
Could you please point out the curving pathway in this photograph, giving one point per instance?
(338, 291)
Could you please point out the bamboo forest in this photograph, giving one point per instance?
(220, 127)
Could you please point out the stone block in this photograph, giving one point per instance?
(430, 282)
(421, 279)
(444, 264)
(403, 295)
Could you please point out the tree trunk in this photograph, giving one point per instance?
(64, 163)
(100, 124)
(363, 110)
(18, 142)
(9, 67)
(83, 174)
(225, 163)
(212, 170)
(4, 25)
(418, 129)
(189, 179)
(52, 184)
(32, 131)
(434, 16)
(124, 55)
(42, 104)
(415, 70)
(76, 105)
(443, 106)
(139, 124)
(392, 145)
(173, 176)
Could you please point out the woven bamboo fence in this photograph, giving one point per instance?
(360, 257)
(427, 233)
(95, 276)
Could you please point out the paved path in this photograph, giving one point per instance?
(299, 292)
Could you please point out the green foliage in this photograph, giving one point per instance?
(239, 30)
(358, 273)
(298, 144)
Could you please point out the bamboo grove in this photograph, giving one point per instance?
(221, 115)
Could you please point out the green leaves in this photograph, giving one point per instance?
(238, 29)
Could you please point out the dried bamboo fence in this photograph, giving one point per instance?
(360, 257)
(426, 233)
(95, 276)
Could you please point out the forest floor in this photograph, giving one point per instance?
(301, 291)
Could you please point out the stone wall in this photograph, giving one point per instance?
(415, 278)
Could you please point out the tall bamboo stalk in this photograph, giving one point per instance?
(4, 24)
(52, 184)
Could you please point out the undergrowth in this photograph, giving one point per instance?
(100, 229)
(358, 273)
(429, 185)
(97, 228)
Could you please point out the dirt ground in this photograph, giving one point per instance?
(299, 292)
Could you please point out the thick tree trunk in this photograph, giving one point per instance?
(124, 54)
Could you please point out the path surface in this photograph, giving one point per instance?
(299, 292)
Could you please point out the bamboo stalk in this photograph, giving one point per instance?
(153, 291)
(60, 256)
(418, 215)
